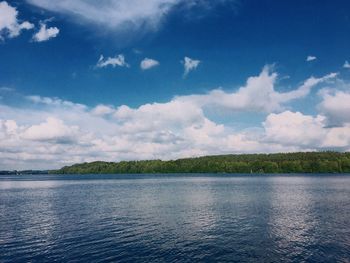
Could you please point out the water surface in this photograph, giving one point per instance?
(196, 218)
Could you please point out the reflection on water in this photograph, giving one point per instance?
(292, 220)
(167, 218)
(4, 185)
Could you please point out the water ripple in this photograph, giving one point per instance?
(167, 219)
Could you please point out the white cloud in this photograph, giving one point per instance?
(148, 63)
(10, 26)
(101, 110)
(174, 114)
(335, 106)
(337, 138)
(54, 102)
(52, 129)
(190, 64)
(310, 58)
(294, 128)
(45, 33)
(305, 132)
(346, 64)
(304, 89)
(122, 15)
(114, 14)
(112, 61)
(257, 95)
(51, 132)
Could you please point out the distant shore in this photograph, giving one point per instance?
(299, 162)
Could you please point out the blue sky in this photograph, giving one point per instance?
(225, 76)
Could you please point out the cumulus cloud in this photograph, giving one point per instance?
(45, 33)
(148, 63)
(102, 109)
(190, 64)
(294, 128)
(51, 132)
(52, 129)
(258, 94)
(310, 58)
(174, 114)
(335, 105)
(305, 132)
(112, 61)
(346, 64)
(10, 26)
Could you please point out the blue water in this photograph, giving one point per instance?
(174, 218)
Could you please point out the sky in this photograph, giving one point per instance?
(116, 80)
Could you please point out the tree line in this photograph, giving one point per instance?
(301, 162)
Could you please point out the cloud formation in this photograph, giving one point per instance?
(51, 132)
(101, 110)
(335, 106)
(189, 65)
(305, 132)
(346, 64)
(122, 15)
(148, 63)
(10, 26)
(257, 95)
(310, 58)
(45, 33)
(112, 61)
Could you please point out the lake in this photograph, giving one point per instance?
(175, 218)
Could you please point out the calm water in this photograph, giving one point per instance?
(175, 219)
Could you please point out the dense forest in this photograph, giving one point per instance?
(303, 162)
